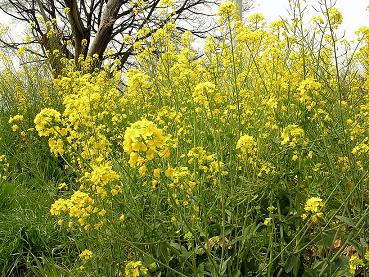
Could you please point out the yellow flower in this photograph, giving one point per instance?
(15, 127)
(157, 172)
(366, 255)
(267, 220)
(101, 175)
(154, 183)
(256, 18)
(228, 10)
(44, 121)
(166, 3)
(335, 17)
(17, 117)
(313, 204)
(56, 146)
(122, 217)
(355, 263)
(62, 186)
(247, 145)
(142, 170)
(144, 137)
(116, 190)
(292, 135)
(316, 217)
(79, 206)
(86, 254)
(135, 269)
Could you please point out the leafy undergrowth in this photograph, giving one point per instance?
(30, 241)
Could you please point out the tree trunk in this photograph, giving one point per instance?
(103, 35)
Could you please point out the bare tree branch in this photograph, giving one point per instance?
(102, 23)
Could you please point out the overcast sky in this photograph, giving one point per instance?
(353, 11)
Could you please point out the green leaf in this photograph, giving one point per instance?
(178, 247)
(363, 242)
(223, 266)
(236, 273)
(310, 273)
(326, 239)
(346, 220)
(292, 262)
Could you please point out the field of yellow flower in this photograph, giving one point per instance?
(247, 158)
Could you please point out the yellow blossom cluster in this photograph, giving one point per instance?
(86, 254)
(206, 164)
(308, 90)
(247, 145)
(135, 269)
(228, 10)
(99, 178)
(45, 122)
(4, 167)
(84, 99)
(248, 148)
(84, 133)
(80, 207)
(292, 135)
(335, 17)
(142, 141)
(181, 179)
(313, 206)
(205, 94)
(354, 264)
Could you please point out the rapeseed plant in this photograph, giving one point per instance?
(206, 164)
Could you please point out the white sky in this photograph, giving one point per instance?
(353, 11)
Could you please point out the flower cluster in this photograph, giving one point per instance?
(80, 207)
(45, 122)
(335, 17)
(228, 10)
(135, 269)
(143, 140)
(205, 94)
(4, 167)
(308, 90)
(86, 254)
(99, 178)
(247, 145)
(207, 143)
(292, 135)
(182, 181)
(313, 206)
(354, 263)
(206, 164)
(14, 120)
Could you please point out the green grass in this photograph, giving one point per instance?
(31, 244)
